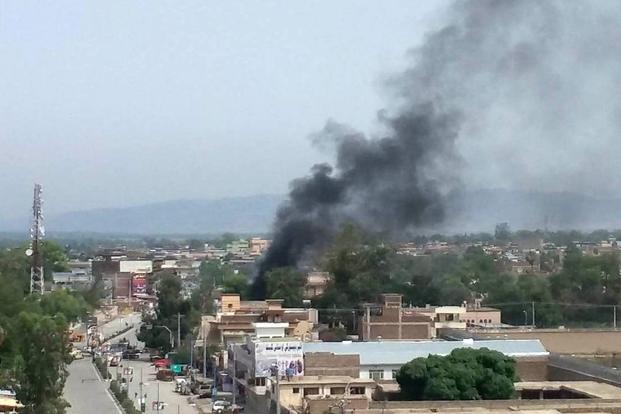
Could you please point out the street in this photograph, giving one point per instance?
(116, 325)
(176, 403)
(86, 392)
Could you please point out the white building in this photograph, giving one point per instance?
(136, 266)
(381, 360)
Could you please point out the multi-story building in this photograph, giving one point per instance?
(316, 284)
(257, 246)
(388, 320)
(235, 319)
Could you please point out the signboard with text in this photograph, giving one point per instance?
(287, 356)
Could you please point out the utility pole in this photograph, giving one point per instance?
(158, 397)
(204, 352)
(234, 376)
(37, 231)
(178, 329)
(533, 306)
(277, 391)
(614, 316)
(275, 372)
(140, 385)
(191, 353)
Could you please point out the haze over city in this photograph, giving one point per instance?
(278, 207)
(115, 105)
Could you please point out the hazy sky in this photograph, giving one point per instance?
(114, 103)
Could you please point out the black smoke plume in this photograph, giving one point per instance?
(383, 184)
(521, 94)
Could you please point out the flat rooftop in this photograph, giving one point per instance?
(592, 389)
(400, 352)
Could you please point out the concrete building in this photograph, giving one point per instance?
(296, 393)
(389, 320)
(461, 317)
(316, 284)
(257, 246)
(136, 266)
(443, 317)
(235, 319)
(238, 247)
(381, 360)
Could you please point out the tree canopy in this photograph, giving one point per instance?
(464, 374)
(34, 347)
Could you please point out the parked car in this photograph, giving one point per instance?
(114, 361)
(220, 406)
(76, 354)
(164, 375)
(131, 354)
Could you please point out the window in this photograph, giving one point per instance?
(356, 390)
(311, 391)
(296, 390)
(394, 373)
(259, 381)
(337, 390)
(376, 374)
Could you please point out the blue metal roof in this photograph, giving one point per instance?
(400, 352)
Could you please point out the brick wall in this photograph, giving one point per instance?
(532, 369)
(415, 331)
(579, 341)
(327, 363)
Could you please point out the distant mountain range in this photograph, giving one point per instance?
(470, 211)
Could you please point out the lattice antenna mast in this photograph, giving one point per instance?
(37, 231)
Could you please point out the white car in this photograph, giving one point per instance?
(76, 354)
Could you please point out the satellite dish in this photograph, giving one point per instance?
(29, 252)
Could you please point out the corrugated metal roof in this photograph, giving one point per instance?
(400, 352)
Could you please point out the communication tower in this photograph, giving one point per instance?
(37, 231)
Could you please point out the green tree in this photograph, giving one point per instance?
(286, 283)
(170, 304)
(464, 374)
(38, 354)
(237, 283)
(62, 302)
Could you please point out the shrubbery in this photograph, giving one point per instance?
(123, 398)
(102, 367)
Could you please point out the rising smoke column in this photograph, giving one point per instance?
(382, 184)
(506, 92)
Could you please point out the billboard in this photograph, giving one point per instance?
(287, 356)
(139, 285)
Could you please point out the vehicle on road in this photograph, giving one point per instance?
(162, 363)
(76, 354)
(158, 405)
(202, 390)
(164, 375)
(182, 386)
(222, 406)
(131, 354)
(114, 361)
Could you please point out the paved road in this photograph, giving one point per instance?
(116, 325)
(86, 392)
(177, 404)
